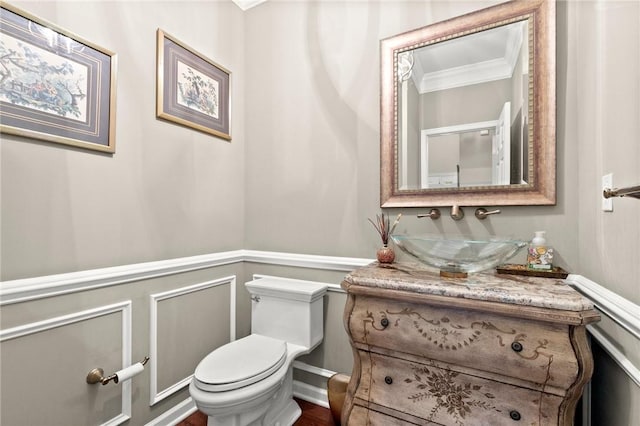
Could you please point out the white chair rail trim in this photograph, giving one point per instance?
(622, 311)
(23, 290)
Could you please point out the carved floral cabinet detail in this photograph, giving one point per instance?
(484, 350)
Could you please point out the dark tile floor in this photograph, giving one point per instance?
(312, 415)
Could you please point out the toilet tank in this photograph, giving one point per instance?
(288, 309)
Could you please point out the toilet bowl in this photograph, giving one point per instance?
(250, 381)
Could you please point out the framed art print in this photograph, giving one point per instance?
(192, 90)
(54, 86)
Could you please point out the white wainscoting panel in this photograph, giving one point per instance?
(176, 414)
(622, 311)
(155, 395)
(623, 362)
(619, 309)
(61, 321)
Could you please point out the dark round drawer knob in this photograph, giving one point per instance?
(388, 380)
(514, 415)
(516, 346)
(384, 322)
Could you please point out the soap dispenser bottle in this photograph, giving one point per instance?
(539, 256)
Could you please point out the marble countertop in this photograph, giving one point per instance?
(551, 293)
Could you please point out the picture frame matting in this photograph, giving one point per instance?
(55, 86)
(192, 90)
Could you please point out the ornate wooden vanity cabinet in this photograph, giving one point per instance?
(485, 350)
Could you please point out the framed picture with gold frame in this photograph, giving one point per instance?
(192, 90)
(54, 85)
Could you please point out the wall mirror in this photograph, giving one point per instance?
(468, 110)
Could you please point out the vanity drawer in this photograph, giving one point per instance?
(447, 397)
(532, 351)
(360, 416)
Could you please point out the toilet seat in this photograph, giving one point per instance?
(240, 363)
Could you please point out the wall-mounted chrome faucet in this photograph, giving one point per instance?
(482, 213)
(456, 212)
(433, 214)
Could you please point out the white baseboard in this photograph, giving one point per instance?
(184, 409)
(309, 393)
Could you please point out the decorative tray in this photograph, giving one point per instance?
(515, 269)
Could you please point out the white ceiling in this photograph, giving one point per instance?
(247, 4)
(479, 57)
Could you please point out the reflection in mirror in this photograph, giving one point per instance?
(458, 102)
(453, 146)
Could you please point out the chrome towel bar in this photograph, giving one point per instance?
(631, 191)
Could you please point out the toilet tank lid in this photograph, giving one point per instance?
(241, 362)
(287, 288)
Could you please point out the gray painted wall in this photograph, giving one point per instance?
(43, 370)
(600, 93)
(301, 174)
(312, 165)
(167, 192)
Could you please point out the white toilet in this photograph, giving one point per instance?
(250, 381)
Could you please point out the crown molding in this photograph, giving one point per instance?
(475, 73)
(247, 4)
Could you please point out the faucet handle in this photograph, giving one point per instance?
(433, 214)
(482, 213)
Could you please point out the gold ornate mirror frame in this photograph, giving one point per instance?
(541, 189)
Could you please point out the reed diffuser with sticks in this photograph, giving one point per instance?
(385, 254)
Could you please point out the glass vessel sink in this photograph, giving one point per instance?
(457, 256)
